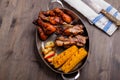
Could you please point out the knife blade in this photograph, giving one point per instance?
(99, 9)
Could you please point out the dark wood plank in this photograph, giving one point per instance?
(17, 45)
(18, 41)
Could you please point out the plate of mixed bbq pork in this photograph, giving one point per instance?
(62, 40)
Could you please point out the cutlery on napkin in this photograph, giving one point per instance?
(98, 9)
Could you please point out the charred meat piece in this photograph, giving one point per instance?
(77, 29)
(42, 35)
(65, 17)
(56, 20)
(81, 40)
(62, 41)
(49, 13)
(47, 27)
(52, 19)
(59, 30)
(70, 30)
(42, 16)
(77, 40)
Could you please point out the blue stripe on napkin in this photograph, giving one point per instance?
(107, 26)
(101, 15)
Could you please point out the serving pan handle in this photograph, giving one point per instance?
(52, 2)
(77, 74)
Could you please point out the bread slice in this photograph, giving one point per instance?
(77, 57)
(64, 56)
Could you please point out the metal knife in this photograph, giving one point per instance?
(98, 9)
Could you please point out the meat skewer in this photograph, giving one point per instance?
(77, 40)
(70, 30)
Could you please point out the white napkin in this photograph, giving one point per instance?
(98, 19)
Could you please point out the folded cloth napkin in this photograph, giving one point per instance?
(98, 19)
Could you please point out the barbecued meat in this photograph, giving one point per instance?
(56, 20)
(42, 35)
(42, 16)
(65, 17)
(49, 13)
(70, 30)
(59, 21)
(81, 40)
(78, 40)
(44, 28)
(77, 29)
(47, 27)
(59, 30)
(52, 19)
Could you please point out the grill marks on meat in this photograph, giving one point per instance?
(81, 40)
(55, 16)
(71, 35)
(65, 17)
(77, 29)
(70, 30)
(42, 35)
(52, 19)
(49, 13)
(47, 27)
(48, 20)
(77, 40)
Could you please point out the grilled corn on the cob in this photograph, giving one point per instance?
(64, 56)
(74, 60)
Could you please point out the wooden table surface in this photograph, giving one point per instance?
(18, 48)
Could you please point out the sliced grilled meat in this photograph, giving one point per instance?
(77, 40)
(77, 29)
